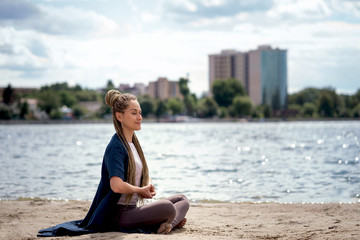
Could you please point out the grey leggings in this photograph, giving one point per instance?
(171, 210)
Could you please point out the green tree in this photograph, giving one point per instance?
(207, 107)
(56, 114)
(258, 112)
(356, 111)
(5, 112)
(24, 109)
(190, 102)
(109, 85)
(347, 100)
(225, 91)
(267, 111)
(309, 109)
(8, 95)
(189, 99)
(104, 109)
(241, 106)
(223, 112)
(175, 106)
(355, 99)
(49, 100)
(183, 85)
(77, 88)
(326, 105)
(308, 95)
(160, 109)
(147, 105)
(87, 95)
(67, 99)
(79, 111)
(56, 87)
(329, 103)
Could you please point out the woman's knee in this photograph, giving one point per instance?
(186, 202)
(167, 208)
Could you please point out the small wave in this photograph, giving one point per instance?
(259, 197)
(75, 172)
(93, 164)
(219, 170)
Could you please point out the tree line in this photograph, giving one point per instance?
(228, 100)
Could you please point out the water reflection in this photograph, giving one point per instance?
(285, 162)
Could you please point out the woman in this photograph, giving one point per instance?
(125, 181)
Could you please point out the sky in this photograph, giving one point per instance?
(88, 42)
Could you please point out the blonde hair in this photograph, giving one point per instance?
(119, 103)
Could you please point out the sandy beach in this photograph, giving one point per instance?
(22, 220)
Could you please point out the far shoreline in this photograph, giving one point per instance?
(197, 120)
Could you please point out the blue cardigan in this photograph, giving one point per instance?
(100, 217)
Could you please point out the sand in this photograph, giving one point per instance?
(22, 220)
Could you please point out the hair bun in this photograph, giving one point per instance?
(111, 97)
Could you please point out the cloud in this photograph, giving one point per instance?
(23, 15)
(22, 50)
(307, 10)
(192, 10)
(7, 49)
(17, 9)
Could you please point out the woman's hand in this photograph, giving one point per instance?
(147, 191)
(119, 186)
(152, 190)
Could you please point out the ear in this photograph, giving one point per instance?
(118, 116)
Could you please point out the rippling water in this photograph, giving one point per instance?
(282, 162)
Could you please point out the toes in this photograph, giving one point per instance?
(164, 228)
(181, 223)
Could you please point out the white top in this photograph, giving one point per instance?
(138, 174)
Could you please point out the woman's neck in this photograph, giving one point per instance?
(128, 135)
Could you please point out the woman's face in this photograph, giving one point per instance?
(131, 118)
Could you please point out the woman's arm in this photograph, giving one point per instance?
(119, 186)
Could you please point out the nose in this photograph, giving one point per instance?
(139, 116)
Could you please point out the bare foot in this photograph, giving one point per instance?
(181, 224)
(164, 228)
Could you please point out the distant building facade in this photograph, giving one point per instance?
(162, 88)
(138, 89)
(228, 64)
(262, 72)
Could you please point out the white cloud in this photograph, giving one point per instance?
(213, 3)
(17, 10)
(26, 50)
(147, 17)
(300, 10)
(187, 11)
(350, 8)
(57, 21)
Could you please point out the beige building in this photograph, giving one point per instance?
(162, 88)
(262, 72)
(227, 64)
(138, 89)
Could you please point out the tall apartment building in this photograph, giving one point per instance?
(268, 77)
(228, 64)
(163, 88)
(263, 73)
